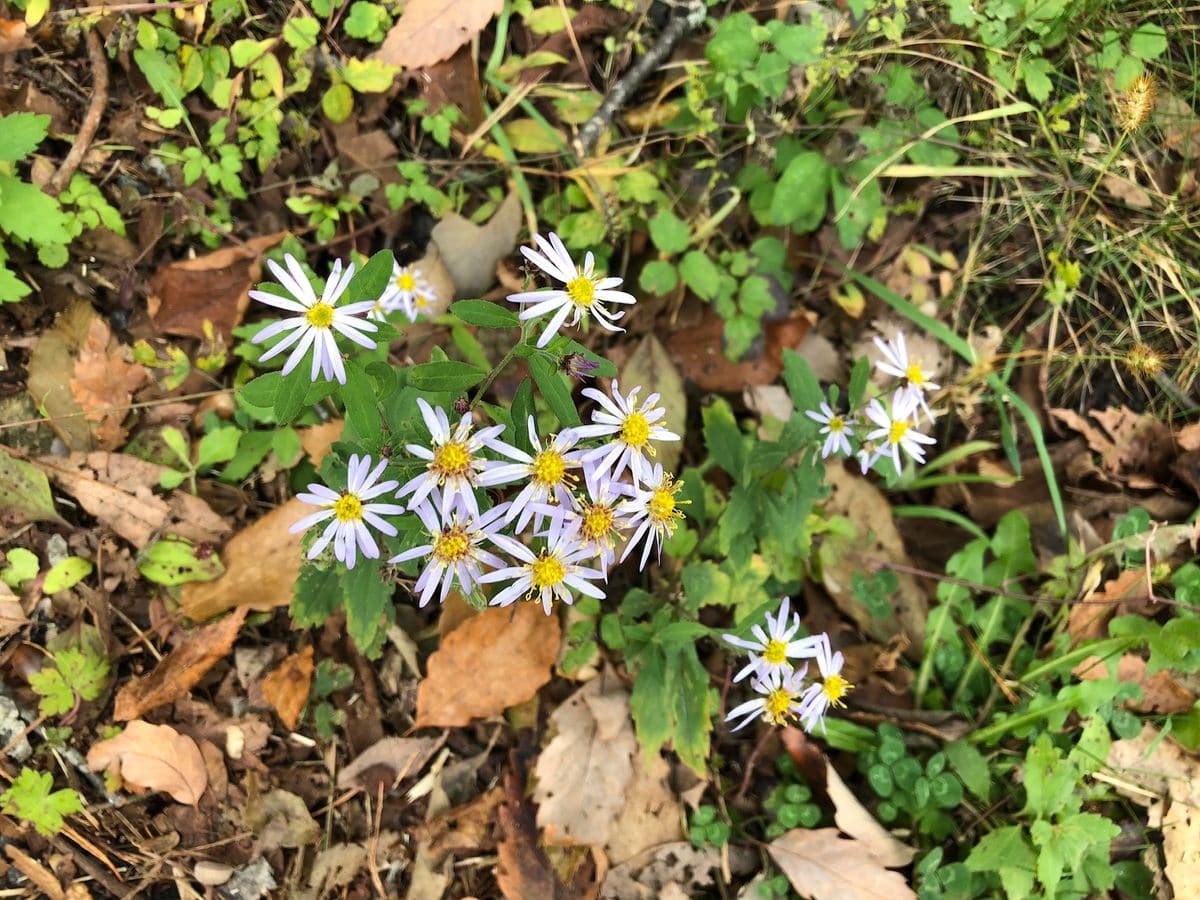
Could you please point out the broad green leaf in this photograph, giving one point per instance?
(372, 279)
(724, 439)
(173, 561)
(30, 798)
(647, 702)
(1006, 851)
(12, 288)
(217, 446)
(22, 566)
(801, 383)
(290, 397)
(700, 274)
(486, 314)
(534, 137)
(688, 680)
(554, 390)
(338, 102)
(20, 134)
(1063, 846)
(449, 376)
(801, 193)
(261, 391)
(66, 574)
(362, 408)
(300, 32)
(57, 696)
(971, 767)
(369, 76)
(367, 597)
(1148, 42)
(658, 277)
(25, 488)
(318, 594)
(670, 233)
(163, 75)
(28, 214)
(252, 449)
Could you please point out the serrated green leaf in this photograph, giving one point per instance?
(651, 716)
(486, 314)
(372, 279)
(317, 595)
(558, 397)
(700, 274)
(22, 566)
(1007, 852)
(20, 134)
(669, 233)
(801, 193)
(28, 214)
(802, 384)
(290, 397)
(32, 799)
(173, 561)
(367, 598)
(66, 574)
(362, 407)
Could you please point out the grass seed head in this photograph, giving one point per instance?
(1136, 103)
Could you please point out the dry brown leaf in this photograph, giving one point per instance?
(180, 670)
(823, 865)
(853, 819)
(470, 252)
(698, 351)
(280, 818)
(466, 828)
(51, 363)
(878, 538)
(399, 757)
(1188, 437)
(436, 274)
(39, 876)
(153, 757)
(118, 489)
(650, 813)
(429, 31)
(12, 614)
(213, 288)
(516, 646)
(261, 566)
(523, 871)
(1088, 621)
(583, 773)
(651, 367)
(12, 36)
(1135, 447)
(1127, 191)
(1160, 692)
(103, 382)
(318, 440)
(287, 687)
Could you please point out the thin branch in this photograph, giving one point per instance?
(91, 121)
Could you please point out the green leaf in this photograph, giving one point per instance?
(369, 76)
(522, 409)
(338, 102)
(448, 376)
(1006, 852)
(725, 442)
(163, 75)
(1148, 42)
(20, 134)
(362, 407)
(300, 32)
(700, 274)
(651, 715)
(1036, 73)
(801, 383)
(554, 390)
(687, 681)
(670, 233)
(318, 594)
(57, 696)
(1049, 780)
(372, 279)
(1129, 68)
(173, 561)
(28, 214)
(84, 673)
(290, 397)
(218, 446)
(736, 529)
(801, 193)
(1066, 844)
(658, 277)
(733, 45)
(25, 488)
(486, 314)
(12, 288)
(66, 574)
(705, 584)
(22, 566)
(261, 391)
(30, 798)
(367, 597)
(971, 766)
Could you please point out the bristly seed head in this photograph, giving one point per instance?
(1136, 103)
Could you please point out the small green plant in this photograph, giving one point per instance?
(790, 801)
(705, 828)
(31, 798)
(329, 678)
(69, 677)
(217, 446)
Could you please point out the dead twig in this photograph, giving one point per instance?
(676, 29)
(91, 121)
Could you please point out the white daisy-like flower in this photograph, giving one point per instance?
(829, 691)
(632, 428)
(837, 427)
(774, 646)
(548, 470)
(318, 319)
(780, 692)
(553, 573)
(453, 463)
(454, 549)
(866, 456)
(600, 520)
(896, 431)
(351, 512)
(583, 293)
(408, 291)
(655, 510)
(897, 362)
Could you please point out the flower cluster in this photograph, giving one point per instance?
(571, 502)
(783, 691)
(408, 292)
(895, 421)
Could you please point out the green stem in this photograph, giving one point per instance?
(1112, 155)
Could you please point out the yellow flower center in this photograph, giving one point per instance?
(406, 282)
(776, 705)
(319, 315)
(837, 424)
(635, 430)
(776, 652)
(348, 508)
(452, 545)
(451, 460)
(597, 522)
(582, 292)
(547, 571)
(549, 468)
(835, 687)
(914, 375)
(662, 505)
(421, 301)
(897, 431)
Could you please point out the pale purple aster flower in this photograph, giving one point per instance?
(318, 319)
(632, 428)
(896, 361)
(548, 471)
(453, 463)
(655, 511)
(351, 512)
(829, 691)
(779, 693)
(553, 573)
(454, 549)
(583, 292)
(599, 520)
(896, 431)
(408, 291)
(837, 427)
(774, 645)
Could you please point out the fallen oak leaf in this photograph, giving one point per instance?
(517, 646)
(103, 383)
(822, 865)
(180, 670)
(287, 687)
(156, 758)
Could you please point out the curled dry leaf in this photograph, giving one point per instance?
(853, 819)
(1134, 447)
(1160, 692)
(429, 31)
(213, 288)
(12, 614)
(262, 563)
(523, 869)
(823, 865)
(287, 687)
(103, 382)
(516, 647)
(470, 252)
(651, 366)
(180, 670)
(153, 757)
(399, 758)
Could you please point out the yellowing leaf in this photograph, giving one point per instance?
(531, 136)
(369, 76)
